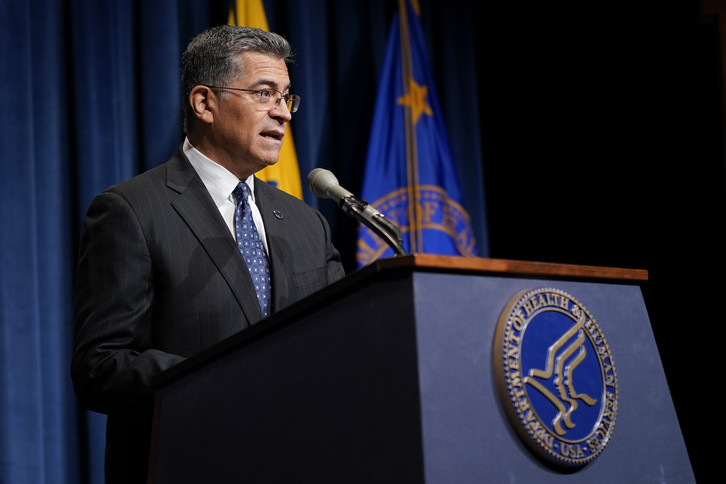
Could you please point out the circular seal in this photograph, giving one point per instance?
(556, 376)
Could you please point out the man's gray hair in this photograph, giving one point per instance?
(212, 58)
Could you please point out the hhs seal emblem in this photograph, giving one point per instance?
(556, 376)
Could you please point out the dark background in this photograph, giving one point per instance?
(603, 141)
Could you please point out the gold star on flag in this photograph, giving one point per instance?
(416, 100)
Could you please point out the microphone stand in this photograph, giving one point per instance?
(376, 222)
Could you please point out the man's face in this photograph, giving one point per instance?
(248, 134)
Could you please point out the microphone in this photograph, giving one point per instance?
(324, 184)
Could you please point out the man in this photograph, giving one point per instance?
(160, 276)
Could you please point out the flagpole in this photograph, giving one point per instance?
(414, 238)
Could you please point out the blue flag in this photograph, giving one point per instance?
(410, 174)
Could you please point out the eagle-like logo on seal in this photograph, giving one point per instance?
(556, 376)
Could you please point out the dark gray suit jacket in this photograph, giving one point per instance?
(160, 278)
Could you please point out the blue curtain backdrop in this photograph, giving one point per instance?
(91, 97)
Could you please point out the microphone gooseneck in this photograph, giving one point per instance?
(324, 184)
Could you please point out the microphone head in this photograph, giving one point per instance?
(320, 181)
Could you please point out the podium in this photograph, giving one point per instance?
(387, 376)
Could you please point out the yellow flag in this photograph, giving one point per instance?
(284, 174)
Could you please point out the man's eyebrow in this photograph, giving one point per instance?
(271, 84)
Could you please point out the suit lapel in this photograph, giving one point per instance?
(275, 227)
(195, 206)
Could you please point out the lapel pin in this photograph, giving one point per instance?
(277, 214)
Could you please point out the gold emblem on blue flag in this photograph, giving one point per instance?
(410, 173)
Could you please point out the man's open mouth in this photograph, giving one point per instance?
(276, 135)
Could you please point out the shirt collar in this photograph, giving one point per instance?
(219, 181)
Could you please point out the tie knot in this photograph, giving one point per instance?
(241, 192)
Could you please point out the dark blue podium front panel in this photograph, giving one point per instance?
(392, 381)
(467, 435)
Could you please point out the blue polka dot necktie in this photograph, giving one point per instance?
(250, 246)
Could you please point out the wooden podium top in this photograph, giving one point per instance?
(511, 267)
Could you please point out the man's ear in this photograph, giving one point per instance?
(204, 103)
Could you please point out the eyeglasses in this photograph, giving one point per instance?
(292, 101)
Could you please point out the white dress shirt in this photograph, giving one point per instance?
(220, 183)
